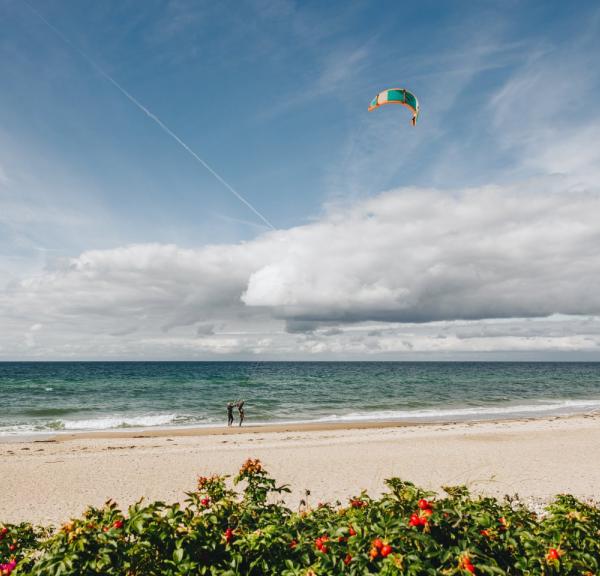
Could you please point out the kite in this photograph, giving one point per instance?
(397, 96)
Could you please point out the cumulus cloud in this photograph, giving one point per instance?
(424, 255)
(405, 257)
(163, 284)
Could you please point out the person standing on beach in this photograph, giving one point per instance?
(240, 407)
(230, 406)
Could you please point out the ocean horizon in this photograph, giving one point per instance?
(47, 397)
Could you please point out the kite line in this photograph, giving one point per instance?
(148, 113)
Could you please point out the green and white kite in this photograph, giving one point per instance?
(397, 96)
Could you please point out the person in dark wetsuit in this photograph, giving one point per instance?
(240, 407)
(230, 406)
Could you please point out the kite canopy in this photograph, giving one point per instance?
(397, 96)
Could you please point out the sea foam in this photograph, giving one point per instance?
(103, 423)
(108, 422)
(551, 407)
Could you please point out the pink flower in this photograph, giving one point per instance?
(8, 567)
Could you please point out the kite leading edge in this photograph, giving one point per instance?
(397, 96)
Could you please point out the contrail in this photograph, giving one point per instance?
(148, 113)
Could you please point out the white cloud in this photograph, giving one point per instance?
(424, 264)
(424, 255)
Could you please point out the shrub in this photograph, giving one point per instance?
(221, 532)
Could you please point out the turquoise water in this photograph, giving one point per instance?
(42, 397)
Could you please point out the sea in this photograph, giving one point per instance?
(39, 398)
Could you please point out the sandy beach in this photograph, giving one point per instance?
(55, 478)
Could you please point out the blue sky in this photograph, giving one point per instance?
(273, 96)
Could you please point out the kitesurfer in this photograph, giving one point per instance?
(230, 406)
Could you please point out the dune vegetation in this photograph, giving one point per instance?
(246, 529)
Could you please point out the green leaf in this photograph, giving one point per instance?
(178, 555)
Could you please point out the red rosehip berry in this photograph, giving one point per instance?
(414, 520)
(118, 524)
(373, 553)
(553, 554)
(423, 504)
(386, 550)
(352, 531)
(377, 543)
(320, 543)
(228, 535)
(293, 544)
(347, 559)
(466, 564)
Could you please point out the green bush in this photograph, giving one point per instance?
(224, 532)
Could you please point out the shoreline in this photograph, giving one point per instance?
(195, 431)
(50, 480)
(274, 427)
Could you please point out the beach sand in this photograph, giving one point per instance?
(48, 481)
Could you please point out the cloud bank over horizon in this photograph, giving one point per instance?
(351, 282)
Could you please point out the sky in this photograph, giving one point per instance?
(202, 180)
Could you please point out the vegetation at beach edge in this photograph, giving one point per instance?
(222, 530)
